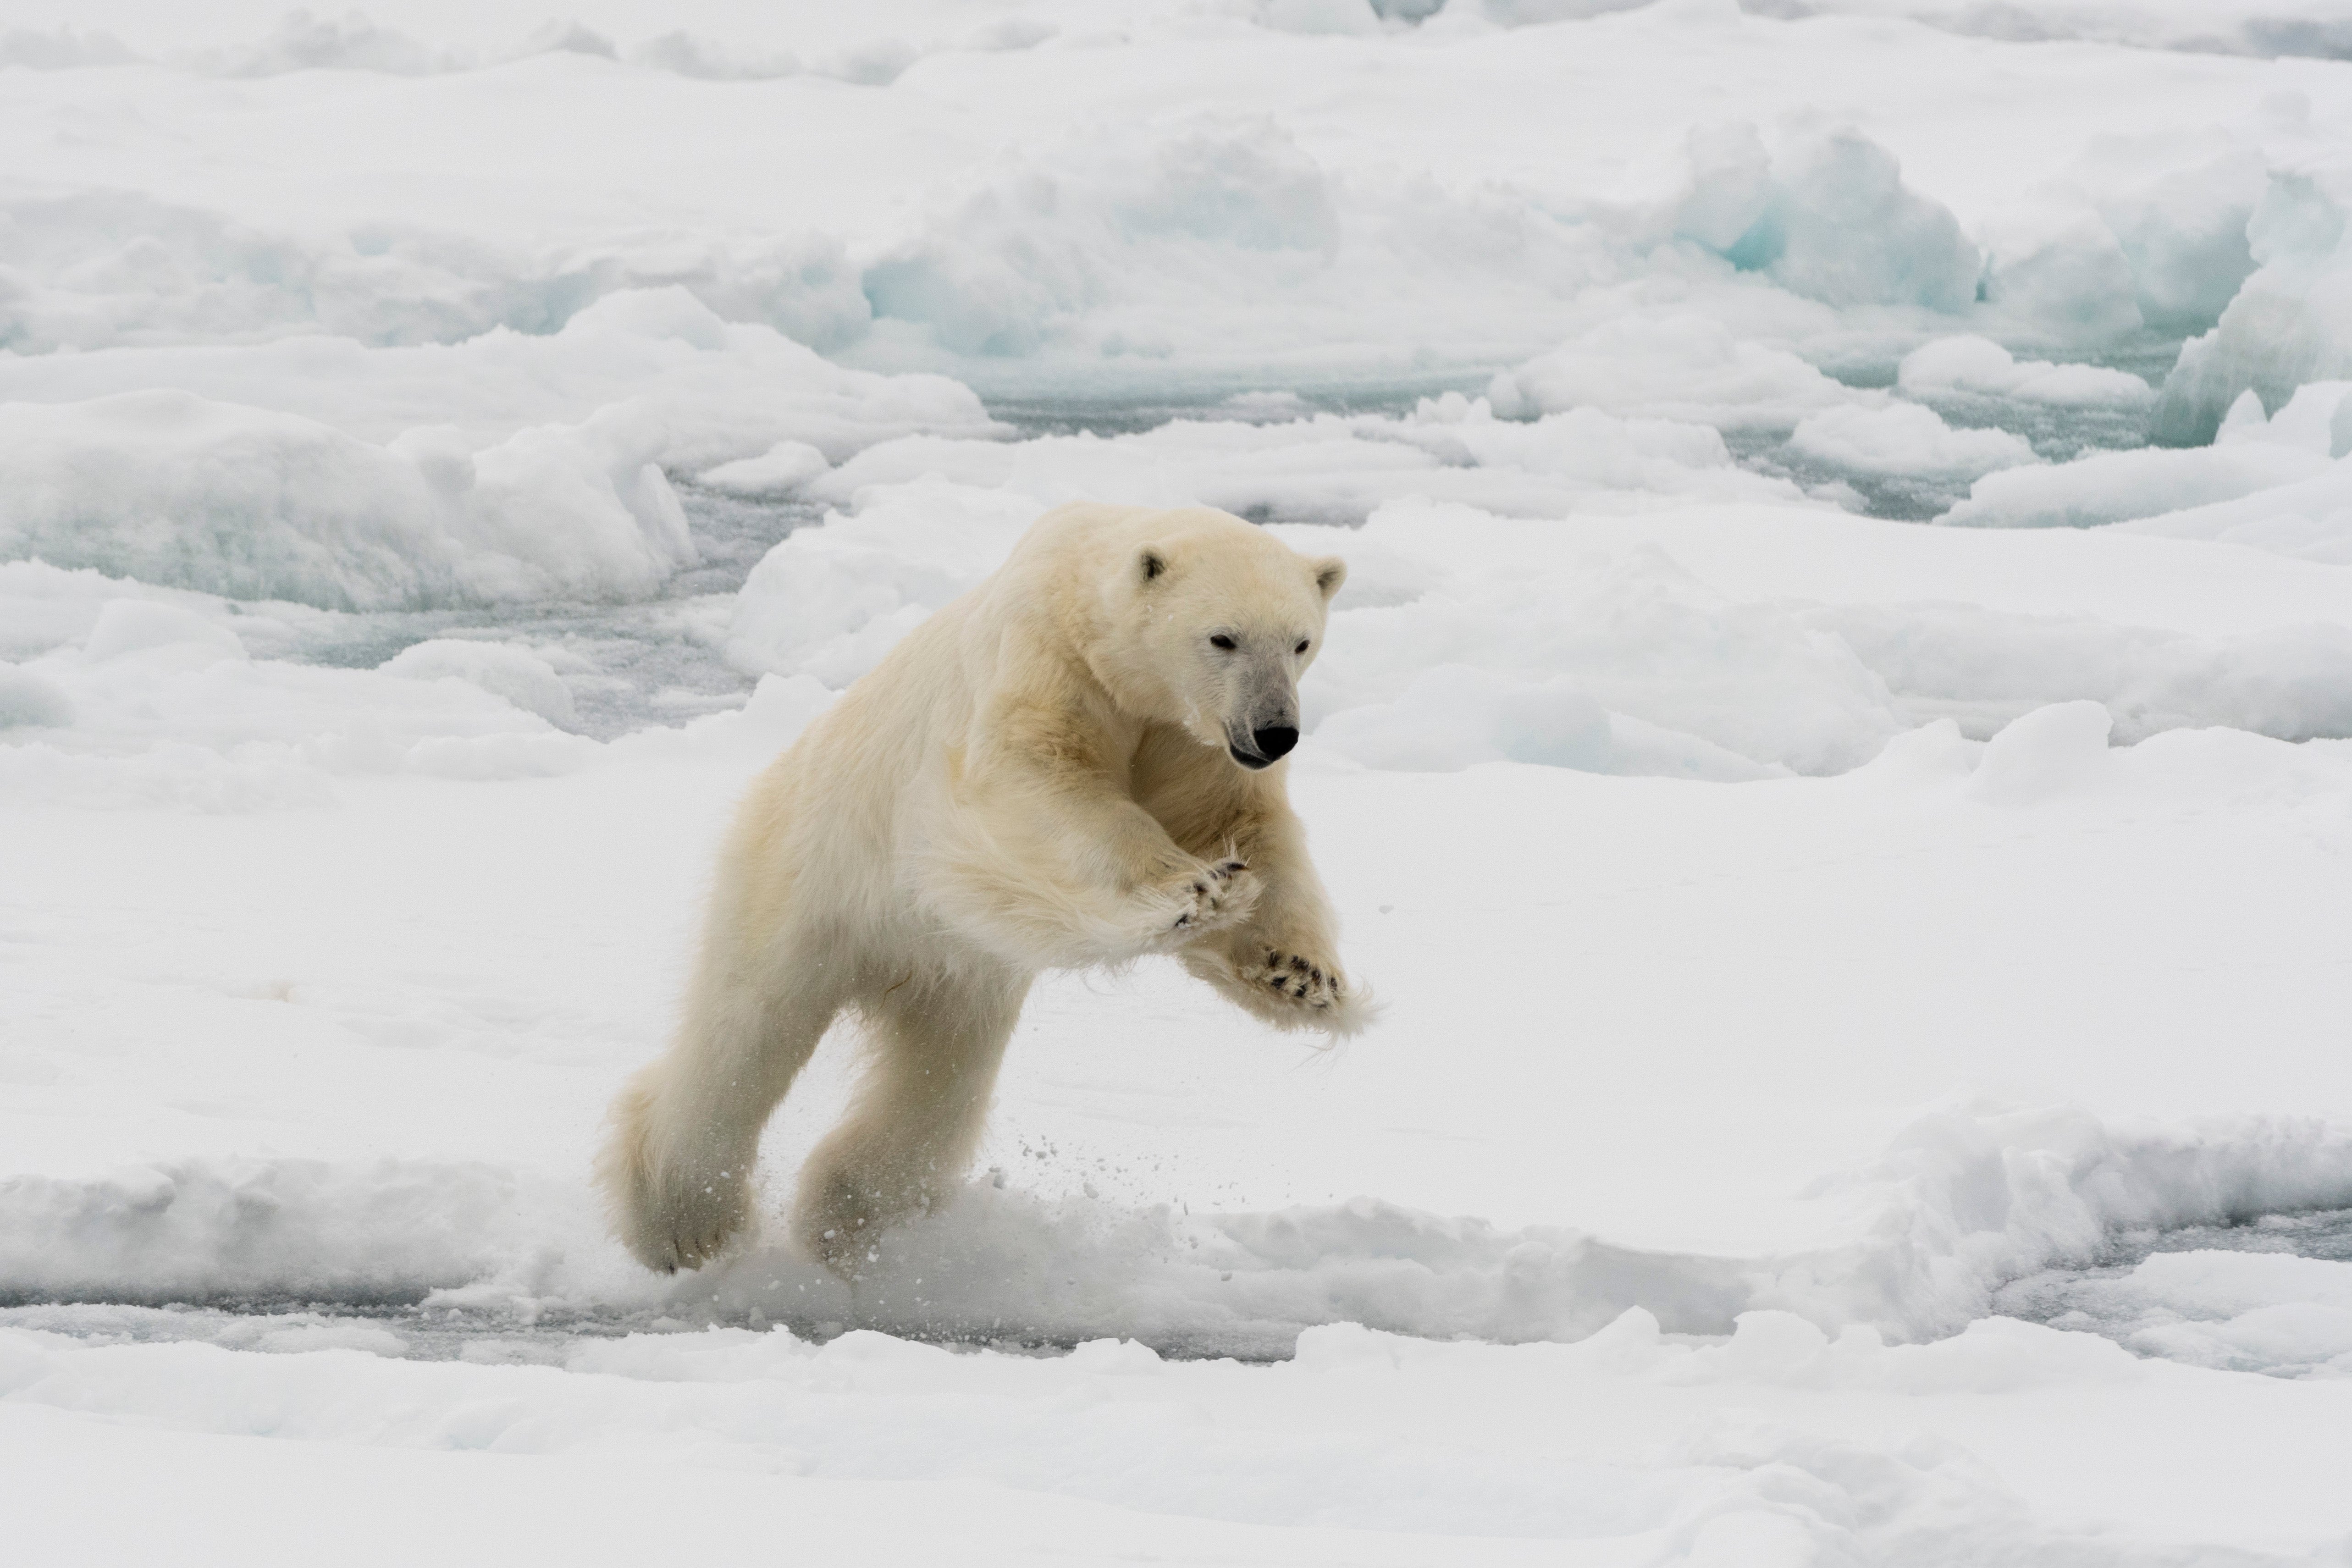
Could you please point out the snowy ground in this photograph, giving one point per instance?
(1836, 751)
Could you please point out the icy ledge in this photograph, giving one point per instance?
(1919, 1241)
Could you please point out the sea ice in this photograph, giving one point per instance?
(1905, 438)
(1981, 365)
(445, 452)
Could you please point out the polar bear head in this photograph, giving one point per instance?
(1210, 623)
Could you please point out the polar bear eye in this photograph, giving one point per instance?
(1221, 640)
(1301, 647)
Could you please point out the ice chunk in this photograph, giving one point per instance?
(2241, 1311)
(2243, 418)
(1905, 438)
(1970, 364)
(2291, 323)
(2058, 265)
(2183, 230)
(2225, 1284)
(2309, 519)
(2276, 484)
(1984, 669)
(174, 490)
(559, 512)
(271, 1228)
(2309, 423)
(780, 469)
(1828, 217)
(141, 695)
(1839, 225)
(2111, 487)
(137, 625)
(1673, 366)
(2047, 752)
(2290, 1336)
(831, 601)
(517, 674)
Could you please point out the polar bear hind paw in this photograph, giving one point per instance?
(670, 1215)
(687, 1224)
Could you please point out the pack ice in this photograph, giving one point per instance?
(1836, 749)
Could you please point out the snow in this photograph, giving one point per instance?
(811, 1441)
(1835, 751)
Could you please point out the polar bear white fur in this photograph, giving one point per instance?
(1077, 763)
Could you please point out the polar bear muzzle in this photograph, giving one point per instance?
(1263, 732)
(1262, 716)
(1267, 746)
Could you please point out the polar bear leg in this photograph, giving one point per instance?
(676, 1171)
(918, 1112)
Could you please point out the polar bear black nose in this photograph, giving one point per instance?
(1275, 743)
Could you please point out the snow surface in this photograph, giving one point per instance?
(1836, 748)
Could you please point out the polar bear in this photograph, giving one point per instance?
(1077, 763)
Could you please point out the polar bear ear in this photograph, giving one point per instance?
(1329, 573)
(1151, 562)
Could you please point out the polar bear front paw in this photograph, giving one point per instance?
(1216, 896)
(1312, 983)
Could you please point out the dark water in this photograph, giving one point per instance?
(1125, 415)
(2096, 1299)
